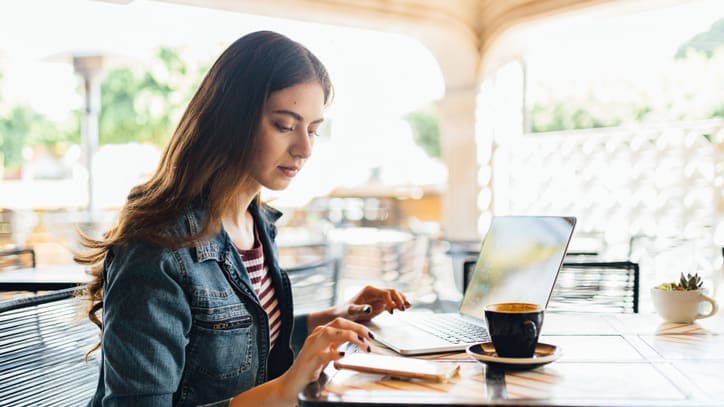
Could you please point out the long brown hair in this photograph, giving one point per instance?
(207, 160)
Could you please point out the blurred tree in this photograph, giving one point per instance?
(137, 105)
(688, 88)
(718, 111)
(426, 131)
(706, 42)
(12, 136)
(142, 106)
(22, 126)
(559, 116)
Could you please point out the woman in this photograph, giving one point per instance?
(195, 309)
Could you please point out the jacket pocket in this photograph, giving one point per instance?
(243, 321)
(223, 334)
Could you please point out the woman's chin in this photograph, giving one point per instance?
(278, 186)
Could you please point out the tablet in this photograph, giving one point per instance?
(398, 366)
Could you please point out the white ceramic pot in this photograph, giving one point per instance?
(682, 306)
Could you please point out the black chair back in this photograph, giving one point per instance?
(17, 257)
(589, 286)
(43, 340)
(597, 287)
(314, 285)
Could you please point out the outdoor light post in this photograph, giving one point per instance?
(89, 67)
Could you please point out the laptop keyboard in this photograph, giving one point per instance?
(452, 329)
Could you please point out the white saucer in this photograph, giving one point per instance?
(485, 353)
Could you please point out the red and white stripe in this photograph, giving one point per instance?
(261, 281)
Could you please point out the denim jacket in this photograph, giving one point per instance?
(184, 326)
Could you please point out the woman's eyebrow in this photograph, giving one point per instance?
(296, 116)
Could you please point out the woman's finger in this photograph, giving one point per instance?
(399, 299)
(381, 300)
(358, 312)
(311, 364)
(393, 300)
(347, 331)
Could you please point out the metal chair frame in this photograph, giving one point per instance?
(43, 340)
(17, 253)
(308, 284)
(588, 290)
(584, 293)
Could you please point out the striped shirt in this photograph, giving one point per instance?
(261, 281)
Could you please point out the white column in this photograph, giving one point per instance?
(718, 280)
(457, 138)
(502, 111)
(89, 68)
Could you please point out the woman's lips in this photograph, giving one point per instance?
(289, 171)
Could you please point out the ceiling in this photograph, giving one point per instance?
(460, 33)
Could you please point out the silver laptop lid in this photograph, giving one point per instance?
(518, 261)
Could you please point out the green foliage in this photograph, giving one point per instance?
(23, 126)
(688, 88)
(13, 131)
(718, 111)
(641, 112)
(561, 116)
(426, 131)
(142, 106)
(706, 42)
(688, 283)
(137, 105)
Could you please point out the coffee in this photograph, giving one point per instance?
(514, 328)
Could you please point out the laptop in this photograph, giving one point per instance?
(518, 262)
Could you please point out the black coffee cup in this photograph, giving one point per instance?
(514, 328)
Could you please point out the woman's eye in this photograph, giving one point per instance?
(313, 131)
(283, 128)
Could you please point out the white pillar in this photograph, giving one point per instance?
(89, 68)
(457, 138)
(718, 283)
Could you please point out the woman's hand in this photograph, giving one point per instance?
(372, 301)
(320, 348)
(369, 303)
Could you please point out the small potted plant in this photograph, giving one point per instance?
(679, 301)
(688, 283)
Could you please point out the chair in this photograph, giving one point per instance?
(17, 257)
(6, 226)
(314, 285)
(597, 287)
(43, 340)
(589, 286)
(12, 256)
(461, 252)
(469, 257)
(290, 254)
(391, 258)
(582, 256)
(468, 268)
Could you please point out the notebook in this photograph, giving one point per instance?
(518, 262)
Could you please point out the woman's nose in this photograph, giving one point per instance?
(302, 145)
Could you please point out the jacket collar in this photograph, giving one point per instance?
(213, 248)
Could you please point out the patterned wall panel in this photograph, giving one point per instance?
(652, 194)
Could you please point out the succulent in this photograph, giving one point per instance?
(688, 283)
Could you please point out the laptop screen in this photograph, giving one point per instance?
(518, 261)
